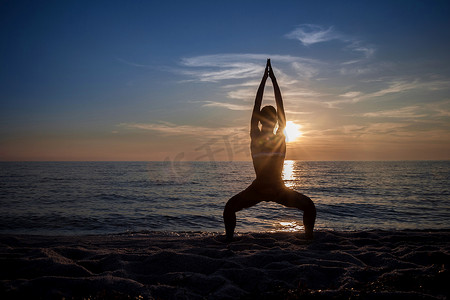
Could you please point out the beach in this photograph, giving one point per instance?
(372, 264)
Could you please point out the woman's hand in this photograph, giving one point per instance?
(266, 70)
(271, 74)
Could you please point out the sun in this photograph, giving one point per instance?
(292, 131)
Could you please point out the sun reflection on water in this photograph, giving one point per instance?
(289, 178)
(288, 226)
(288, 173)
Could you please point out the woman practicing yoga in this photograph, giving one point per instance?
(268, 152)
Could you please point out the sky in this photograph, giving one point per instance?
(176, 80)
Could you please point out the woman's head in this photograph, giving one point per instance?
(268, 116)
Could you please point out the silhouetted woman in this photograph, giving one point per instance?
(268, 152)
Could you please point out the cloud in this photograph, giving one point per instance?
(396, 87)
(441, 109)
(387, 128)
(309, 34)
(292, 112)
(167, 128)
(383, 129)
(243, 94)
(393, 87)
(363, 66)
(400, 86)
(304, 79)
(133, 64)
(366, 50)
(221, 60)
(352, 94)
(295, 74)
(214, 68)
(230, 106)
(359, 46)
(251, 83)
(289, 92)
(220, 67)
(194, 143)
(231, 71)
(289, 69)
(302, 93)
(404, 112)
(305, 69)
(348, 97)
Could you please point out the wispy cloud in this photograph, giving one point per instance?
(387, 128)
(310, 84)
(346, 98)
(403, 112)
(361, 67)
(440, 109)
(351, 95)
(214, 68)
(400, 86)
(220, 67)
(292, 112)
(396, 86)
(247, 94)
(227, 105)
(220, 60)
(366, 50)
(294, 72)
(133, 64)
(167, 128)
(306, 69)
(359, 54)
(309, 34)
(289, 91)
(359, 46)
(289, 69)
(383, 129)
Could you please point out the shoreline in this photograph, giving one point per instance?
(412, 264)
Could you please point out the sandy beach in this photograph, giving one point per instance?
(351, 265)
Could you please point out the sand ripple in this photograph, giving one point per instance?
(356, 265)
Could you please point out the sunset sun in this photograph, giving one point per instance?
(292, 131)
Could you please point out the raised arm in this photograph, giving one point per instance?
(278, 99)
(258, 100)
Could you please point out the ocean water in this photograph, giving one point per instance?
(117, 197)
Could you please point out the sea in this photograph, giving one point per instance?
(82, 198)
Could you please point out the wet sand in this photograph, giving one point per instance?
(335, 265)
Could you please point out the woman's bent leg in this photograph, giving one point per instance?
(244, 199)
(294, 199)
